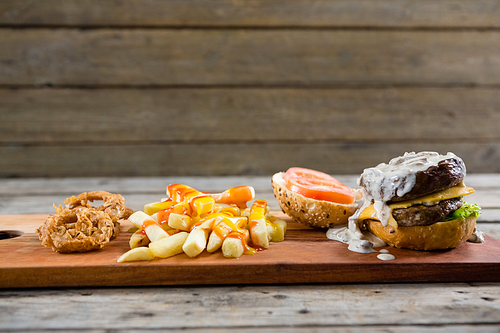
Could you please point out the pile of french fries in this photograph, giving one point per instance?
(190, 221)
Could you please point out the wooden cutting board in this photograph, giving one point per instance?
(306, 256)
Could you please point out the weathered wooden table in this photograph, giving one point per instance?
(411, 307)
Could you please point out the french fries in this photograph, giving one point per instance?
(276, 228)
(155, 207)
(138, 239)
(137, 254)
(196, 242)
(179, 222)
(168, 247)
(190, 221)
(257, 221)
(232, 248)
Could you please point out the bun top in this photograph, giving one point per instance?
(412, 175)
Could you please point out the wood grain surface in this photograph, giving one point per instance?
(138, 57)
(257, 13)
(150, 132)
(316, 260)
(205, 159)
(179, 88)
(429, 307)
(293, 115)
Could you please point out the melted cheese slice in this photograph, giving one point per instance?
(369, 212)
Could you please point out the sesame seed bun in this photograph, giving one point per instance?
(437, 236)
(311, 212)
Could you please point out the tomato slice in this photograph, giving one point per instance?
(317, 185)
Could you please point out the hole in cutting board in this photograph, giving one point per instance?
(6, 234)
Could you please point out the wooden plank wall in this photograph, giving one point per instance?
(227, 87)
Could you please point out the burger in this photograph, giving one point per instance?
(416, 202)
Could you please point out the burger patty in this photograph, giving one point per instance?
(421, 215)
(446, 174)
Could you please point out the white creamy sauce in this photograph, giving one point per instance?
(476, 237)
(386, 256)
(381, 184)
(361, 246)
(358, 241)
(385, 181)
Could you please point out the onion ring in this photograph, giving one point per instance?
(80, 227)
(114, 204)
(77, 230)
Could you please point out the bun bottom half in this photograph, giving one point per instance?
(311, 212)
(437, 236)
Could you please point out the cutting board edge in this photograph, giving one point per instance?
(129, 276)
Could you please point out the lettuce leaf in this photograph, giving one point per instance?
(464, 212)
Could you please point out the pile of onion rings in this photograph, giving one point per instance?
(81, 227)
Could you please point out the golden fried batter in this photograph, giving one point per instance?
(114, 204)
(76, 230)
(80, 227)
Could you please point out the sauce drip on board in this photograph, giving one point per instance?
(386, 256)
